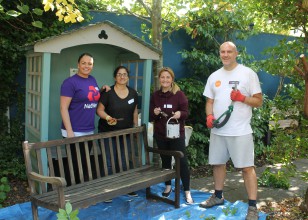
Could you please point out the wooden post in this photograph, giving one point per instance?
(304, 74)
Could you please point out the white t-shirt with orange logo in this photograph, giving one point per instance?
(219, 86)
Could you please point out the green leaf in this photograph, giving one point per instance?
(24, 9)
(38, 11)
(68, 208)
(13, 13)
(1, 8)
(62, 212)
(74, 214)
(61, 217)
(37, 24)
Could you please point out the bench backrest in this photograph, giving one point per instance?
(122, 149)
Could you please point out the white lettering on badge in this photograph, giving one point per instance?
(167, 106)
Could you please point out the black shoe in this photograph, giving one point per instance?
(132, 194)
(189, 203)
(167, 194)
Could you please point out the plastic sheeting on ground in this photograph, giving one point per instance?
(135, 208)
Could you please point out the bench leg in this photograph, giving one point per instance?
(177, 193)
(148, 192)
(34, 211)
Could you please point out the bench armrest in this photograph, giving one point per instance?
(178, 154)
(57, 181)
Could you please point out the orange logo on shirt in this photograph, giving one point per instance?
(217, 83)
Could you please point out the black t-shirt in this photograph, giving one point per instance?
(118, 108)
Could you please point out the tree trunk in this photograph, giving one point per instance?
(157, 38)
(305, 67)
(157, 42)
(304, 73)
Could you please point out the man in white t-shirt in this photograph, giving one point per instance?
(239, 86)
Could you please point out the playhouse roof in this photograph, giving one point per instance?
(104, 32)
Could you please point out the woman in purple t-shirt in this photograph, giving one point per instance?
(78, 101)
(165, 103)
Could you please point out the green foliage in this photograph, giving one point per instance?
(304, 176)
(209, 28)
(11, 155)
(276, 180)
(4, 189)
(289, 143)
(259, 124)
(286, 144)
(68, 213)
(229, 210)
(281, 59)
(281, 17)
(11, 137)
(65, 10)
(198, 144)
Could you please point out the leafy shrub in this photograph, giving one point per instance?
(11, 155)
(4, 189)
(279, 180)
(198, 145)
(259, 124)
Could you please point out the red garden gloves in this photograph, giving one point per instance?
(236, 95)
(209, 121)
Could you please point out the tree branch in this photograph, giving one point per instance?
(305, 64)
(149, 11)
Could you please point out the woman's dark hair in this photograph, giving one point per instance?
(84, 54)
(118, 68)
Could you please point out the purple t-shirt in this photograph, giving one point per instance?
(85, 95)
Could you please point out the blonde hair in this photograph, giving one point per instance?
(174, 87)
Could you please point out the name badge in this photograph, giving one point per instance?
(167, 106)
(131, 101)
(233, 84)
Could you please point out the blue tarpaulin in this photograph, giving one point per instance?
(135, 208)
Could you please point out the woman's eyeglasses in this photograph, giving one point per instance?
(122, 75)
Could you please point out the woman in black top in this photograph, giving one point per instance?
(118, 103)
(117, 110)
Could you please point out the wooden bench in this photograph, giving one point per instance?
(52, 192)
